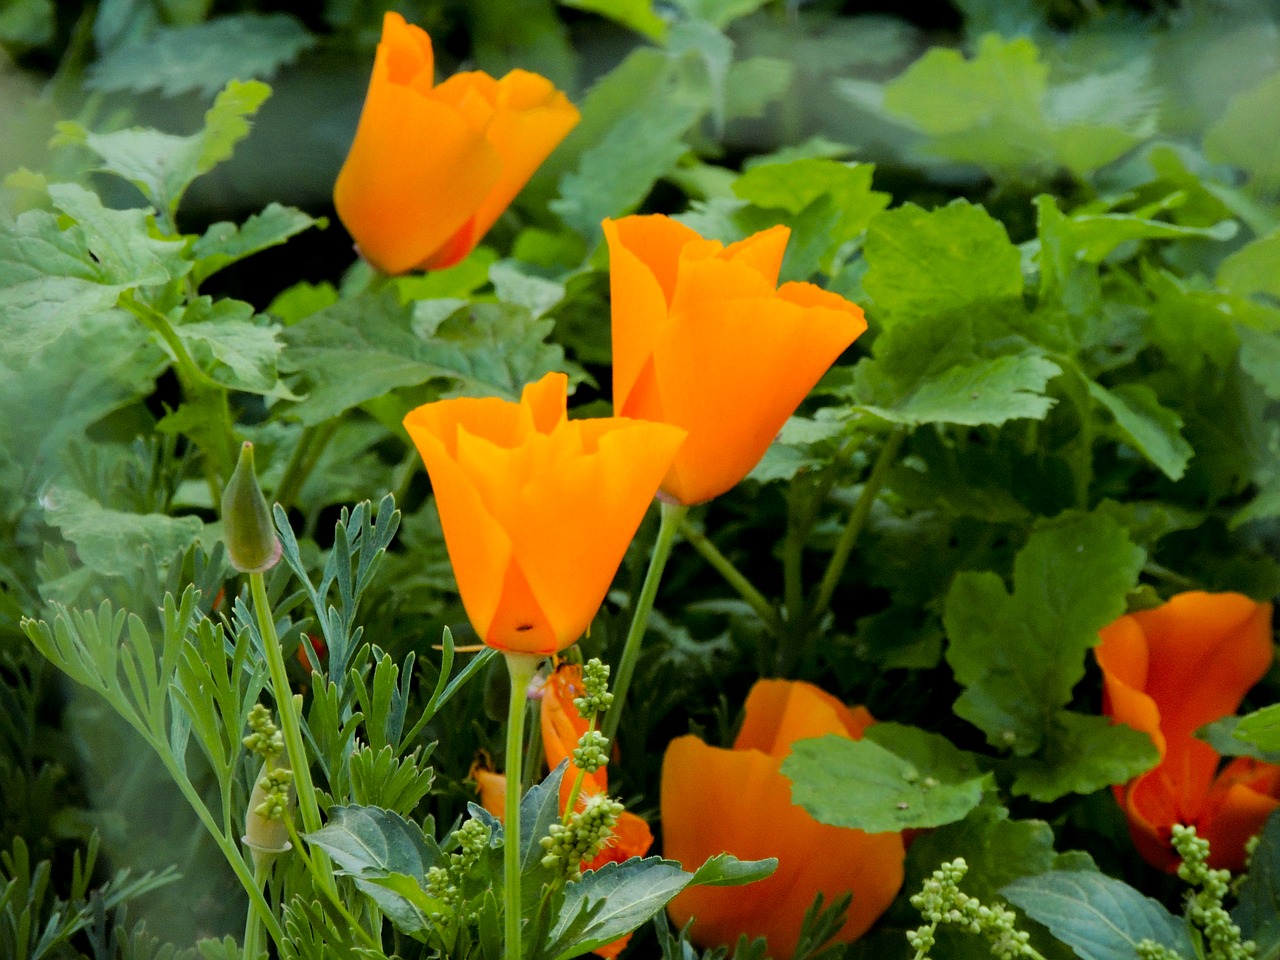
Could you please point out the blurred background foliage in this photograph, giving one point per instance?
(1141, 111)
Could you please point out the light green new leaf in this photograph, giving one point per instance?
(637, 15)
(204, 57)
(226, 243)
(1082, 754)
(726, 870)
(926, 263)
(115, 542)
(1019, 655)
(901, 778)
(1261, 728)
(1254, 268)
(986, 392)
(1142, 421)
(1247, 133)
(163, 165)
(793, 185)
(1099, 917)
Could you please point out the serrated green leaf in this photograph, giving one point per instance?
(362, 348)
(1142, 421)
(986, 392)
(1246, 134)
(904, 778)
(1082, 754)
(236, 352)
(373, 842)
(1099, 917)
(514, 285)
(224, 243)
(1019, 655)
(726, 870)
(114, 542)
(796, 184)
(1257, 909)
(162, 165)
(925, 263)
(204, 57)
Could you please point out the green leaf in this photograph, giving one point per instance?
(1097, 916)
(222, 337)
(516, 286)
(986, 392)
(372, 842)
(1260, 358)
(925, 263)
(726, 870)
(905, 778)
(753, 84)
(1246, 134)
(162, 165)
(115, 542)
(637, 15)
(404, 901)
(794, 185)
(720, 13)
(226, 243)
(1082, 754)
(204, 57)
(364, 347)
(1261, 728)
(1257, 910)
(1019, 655)
(1254, 268)
(651, 98)
(1144, 423)
(27, 22)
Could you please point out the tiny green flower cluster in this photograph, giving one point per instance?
(596, 698)
(940, 901)
(276, 783)
(1204, 905)
(581, 837)
(592, 751)
(445, 883)
(265, 738)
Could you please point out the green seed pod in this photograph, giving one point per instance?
(252, 546)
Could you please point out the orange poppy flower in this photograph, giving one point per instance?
(703, 338)
(716, 800)
(1168, 672)
(537, 510)
(432, 167)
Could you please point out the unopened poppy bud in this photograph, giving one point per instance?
(266, 830)
(252, 545)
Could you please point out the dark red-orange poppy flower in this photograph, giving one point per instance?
(704, 338)
(432, 167)
(716, 800)
(537, 509)
(1168, 672)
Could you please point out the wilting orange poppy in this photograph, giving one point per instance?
(537, 509)
(432, 167)
(704, 338)
(1168, 672)
(716, 800)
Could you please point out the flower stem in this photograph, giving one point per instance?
(521, 667)
(733, 576)
(672, 514)
(252, 921)
(857, 518)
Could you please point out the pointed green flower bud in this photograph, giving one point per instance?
(252, 546)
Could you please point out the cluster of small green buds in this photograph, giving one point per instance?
(592, 751)
(276, 785)
(445, 883)
(581, 836)
(266, 821)
(1205, 907)
(596, 698)
(265, 738)
(1148, 949)
(941, 901)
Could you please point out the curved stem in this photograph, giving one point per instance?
(733, 576)
(849, 536)
(306, 453)
(672, 514)
(521, 667)
(290, 725)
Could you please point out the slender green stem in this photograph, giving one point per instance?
(290, 724)
(733, 576)
(672, 514)
(252, 922)
(532, 751)
(321, 874)
(578, 780)
(857, 518)
(306, 454)
(521, 667)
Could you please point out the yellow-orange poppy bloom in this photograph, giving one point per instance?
(537, 509)
(704, 338)
(1168, 672)
(432, 167)
(716, 800)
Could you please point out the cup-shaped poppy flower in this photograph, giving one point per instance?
(704, 338)
(716, 800)
(537, 510)
(432, 167)
(1167, 672)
